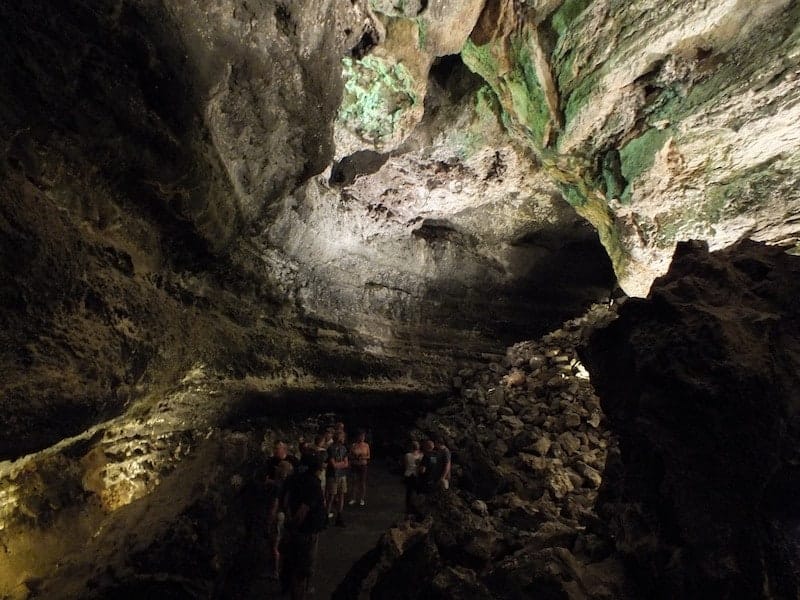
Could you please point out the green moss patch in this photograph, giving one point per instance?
(521, 95)
(566, 14)
(638, 155)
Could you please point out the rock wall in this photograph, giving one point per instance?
(529, 444)
(169, 201)
(700, 383)
(660, 122)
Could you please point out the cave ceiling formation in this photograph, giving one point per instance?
(201, 199)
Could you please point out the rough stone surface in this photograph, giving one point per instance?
(700, 381)
(221, 208)
(662, 122)
(514, 523)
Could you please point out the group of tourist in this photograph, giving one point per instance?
(426, 468)
(306, 494)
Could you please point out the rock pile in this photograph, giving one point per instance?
(535, 417)
(529, 449)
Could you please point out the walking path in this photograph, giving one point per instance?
(341, 547)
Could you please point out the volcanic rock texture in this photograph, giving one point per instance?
(701, 382)
(209, 208)
(171, 200)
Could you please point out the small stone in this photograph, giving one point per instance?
(498, 395)
(535, 463)
(560, 484)
(499, 448)
(577, 480)
(513, 422)
(516, 379)
(569, 442)
(536, 361)
(593, 476)
(572, 420)
(479, 507)
(457, 382)
(594, 419)
(542, 445)
(496, 367)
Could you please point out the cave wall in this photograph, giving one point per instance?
(700, 382)
(658, 122)
(173, 195)
(206, 204)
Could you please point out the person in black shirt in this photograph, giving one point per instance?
(279, 454)
(306, 517)
(430, 468)
(276, 517)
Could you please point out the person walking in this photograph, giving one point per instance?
(411, 460)
(359, 460)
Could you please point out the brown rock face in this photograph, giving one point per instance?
(700, 381)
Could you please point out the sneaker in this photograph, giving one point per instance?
(330, 515)
(362, 503)
(353, 501)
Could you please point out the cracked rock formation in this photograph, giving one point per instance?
(700, 381)
(217, 209)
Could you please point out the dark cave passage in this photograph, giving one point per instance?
(225, 222)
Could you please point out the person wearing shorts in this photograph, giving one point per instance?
(338, 466)
(359, 460)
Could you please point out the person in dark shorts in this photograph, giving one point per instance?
(359, 461)
(321, 450)
(430, 468)
(336, 487)
(305, 518)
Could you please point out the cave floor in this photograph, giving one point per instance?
(341, 547)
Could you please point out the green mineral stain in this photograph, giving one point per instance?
(573, 197)
(581, 94)
(567, 13)
(524, 114)
(612, 175)
(521, 95)
(481, 60)
(638, 155)
(473, 138)
(377, 93)
(422, 32)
